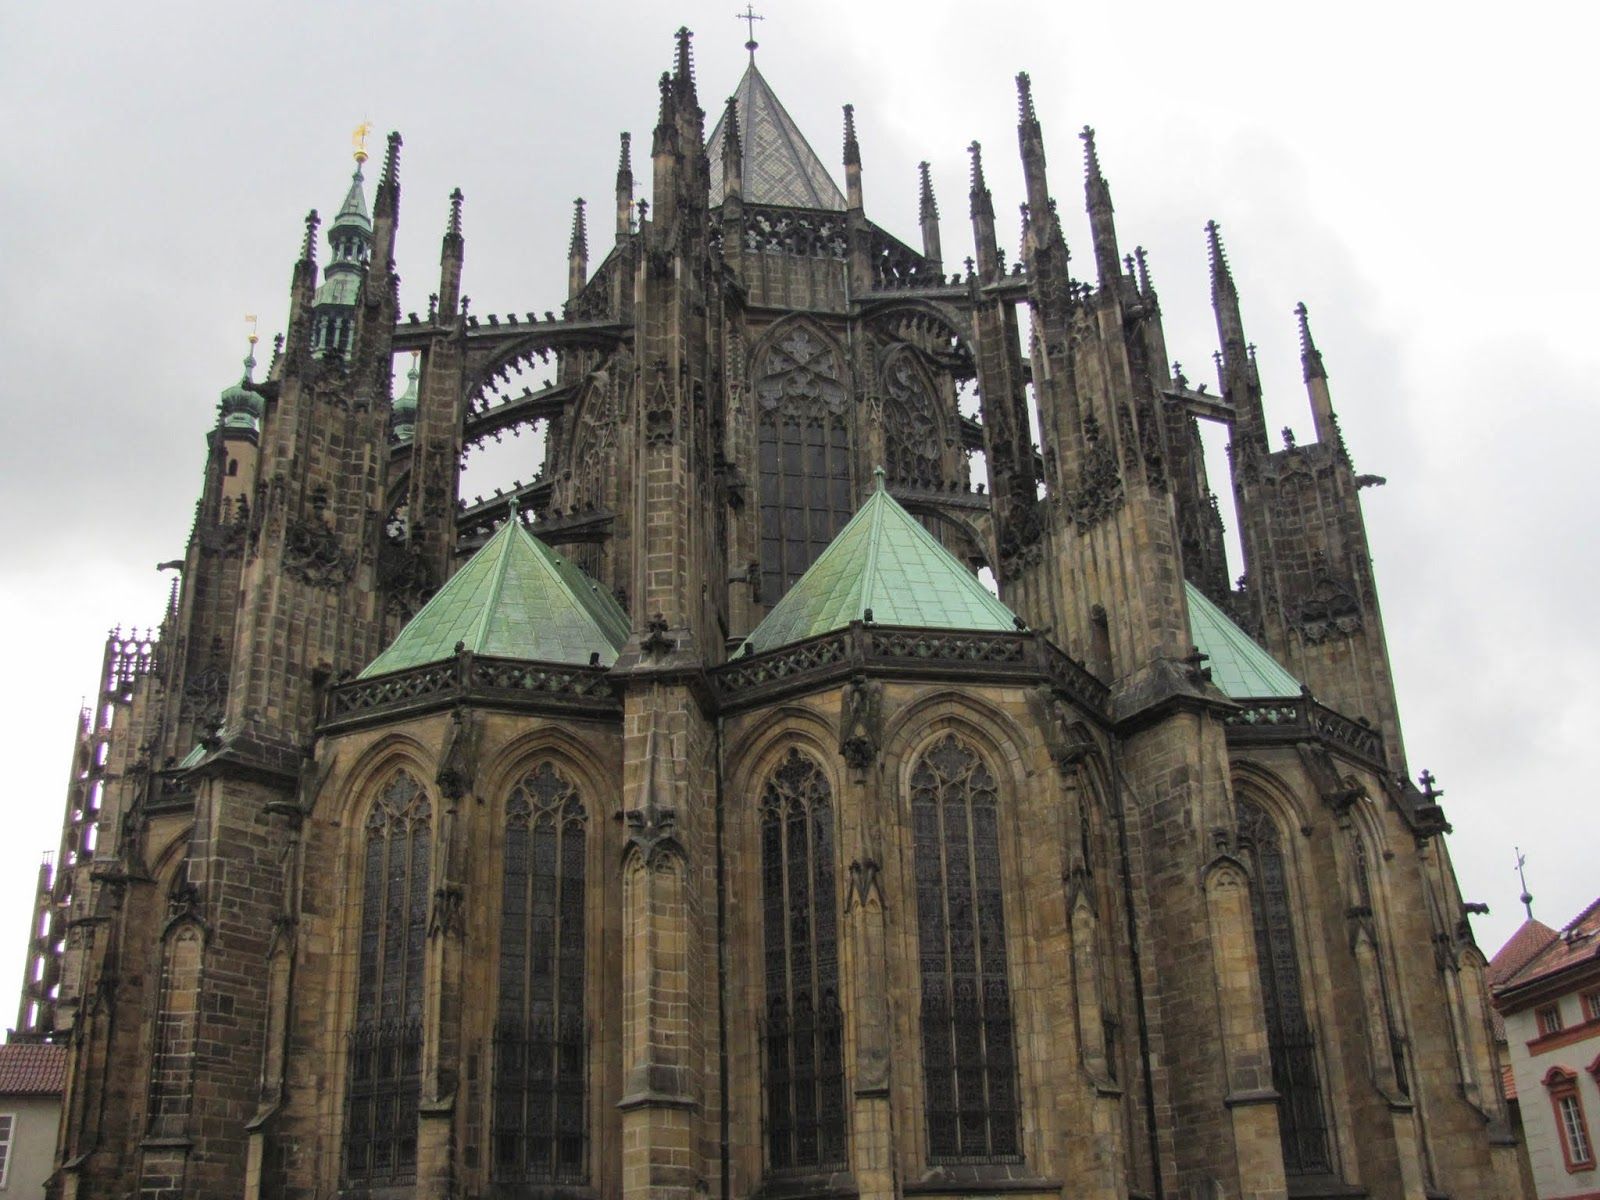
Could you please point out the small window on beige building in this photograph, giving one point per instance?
(8, 1122)
(1549, 1018)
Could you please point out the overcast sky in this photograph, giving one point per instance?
(1422, 177)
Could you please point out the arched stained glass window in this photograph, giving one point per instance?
(541, 1037)
(804, 1052)
(968, 1052)
(386, 1044)
(1294, 1058)
(804, 457)
(913, 443)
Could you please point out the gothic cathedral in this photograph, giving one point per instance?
(692, 821)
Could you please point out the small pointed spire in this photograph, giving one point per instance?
(308, 247)
(1102, 224)
(1221, 276)
(1026, 114)
(577, 252)
(928, 209)
(1142, 262)
(625, 188)
(250, 354)
(1522, 878)
(387, 200)
(852, 160)
(979, 193)
(732, 152)
(1310, 356)
(982, 206)
(579, 246)
(879, 479)
(453, 228)
(684, 64)
(928, 206)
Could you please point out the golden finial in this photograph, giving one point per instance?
(359, 140)
(254, 338)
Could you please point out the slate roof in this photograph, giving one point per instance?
(883, 560)
(1239, 664)
(32, 1069)
(515, 598)
(779, 165)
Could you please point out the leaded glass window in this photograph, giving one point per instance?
(803, 458)
(1294, 1058)
(968, 1054)
(804, 1025)
(541, 1035)
(386, 1044)
(912, 440)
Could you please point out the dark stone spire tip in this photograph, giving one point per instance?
(928, 206)
(1310, 356)
(1026, 114)
(852, 148)
(308, 248)
(579, 247)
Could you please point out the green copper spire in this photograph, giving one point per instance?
(883, 562)
(403, 416)
(515, 598)
(1239, 665)
(241, 408)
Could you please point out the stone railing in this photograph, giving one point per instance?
(1303, 719)
(505, 682)
(997, 656)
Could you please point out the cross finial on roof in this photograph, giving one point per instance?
(749, 16)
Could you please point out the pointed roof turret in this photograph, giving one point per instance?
(403, 415)
(779, 165)
(1239, 664)
(515, 598)
(883, 566)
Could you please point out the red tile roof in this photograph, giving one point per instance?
(1537, 952)
(32, 1069)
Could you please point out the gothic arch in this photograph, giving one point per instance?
(763, 743)
(892, 318)
(919, 440)
(595, 777)
(355, 791)
(1012, 750)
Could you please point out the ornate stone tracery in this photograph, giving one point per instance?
(914, 438)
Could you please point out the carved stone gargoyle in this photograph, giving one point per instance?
(861, 722)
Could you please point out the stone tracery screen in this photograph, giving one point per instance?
(968, 1053)
(803, 457)
(385, 1072)
(803, 1025)
(1289, 1038)
(541, 1035)
(912, 439)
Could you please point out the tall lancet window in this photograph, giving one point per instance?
(804, 457)
(803, 1024)
(541, 1036)
(968, 1056)
(1294, 1058)
(386, 1044)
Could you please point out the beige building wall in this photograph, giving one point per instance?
(33, 1144)
(1530, 1067)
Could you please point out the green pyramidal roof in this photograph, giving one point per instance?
(1239, 665)
(886, 561)
(516, 598)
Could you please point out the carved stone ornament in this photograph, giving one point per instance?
(448, 913)
(660, 414)
(912, 441)
(312, 553)
(800, 382)
(864, 887)
(1329, 610)
(861, 722)
(1099, 492)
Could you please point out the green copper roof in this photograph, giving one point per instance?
(516, 598)
(1239, 665)
(353, 212)
(886, 561)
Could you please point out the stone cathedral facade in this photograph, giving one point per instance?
(691, 821)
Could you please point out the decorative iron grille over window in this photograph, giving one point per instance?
(386, 1045)
(541, 1036)
(968, 1056)
(804, 1023)
(804, 458)
(1294, 1058)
